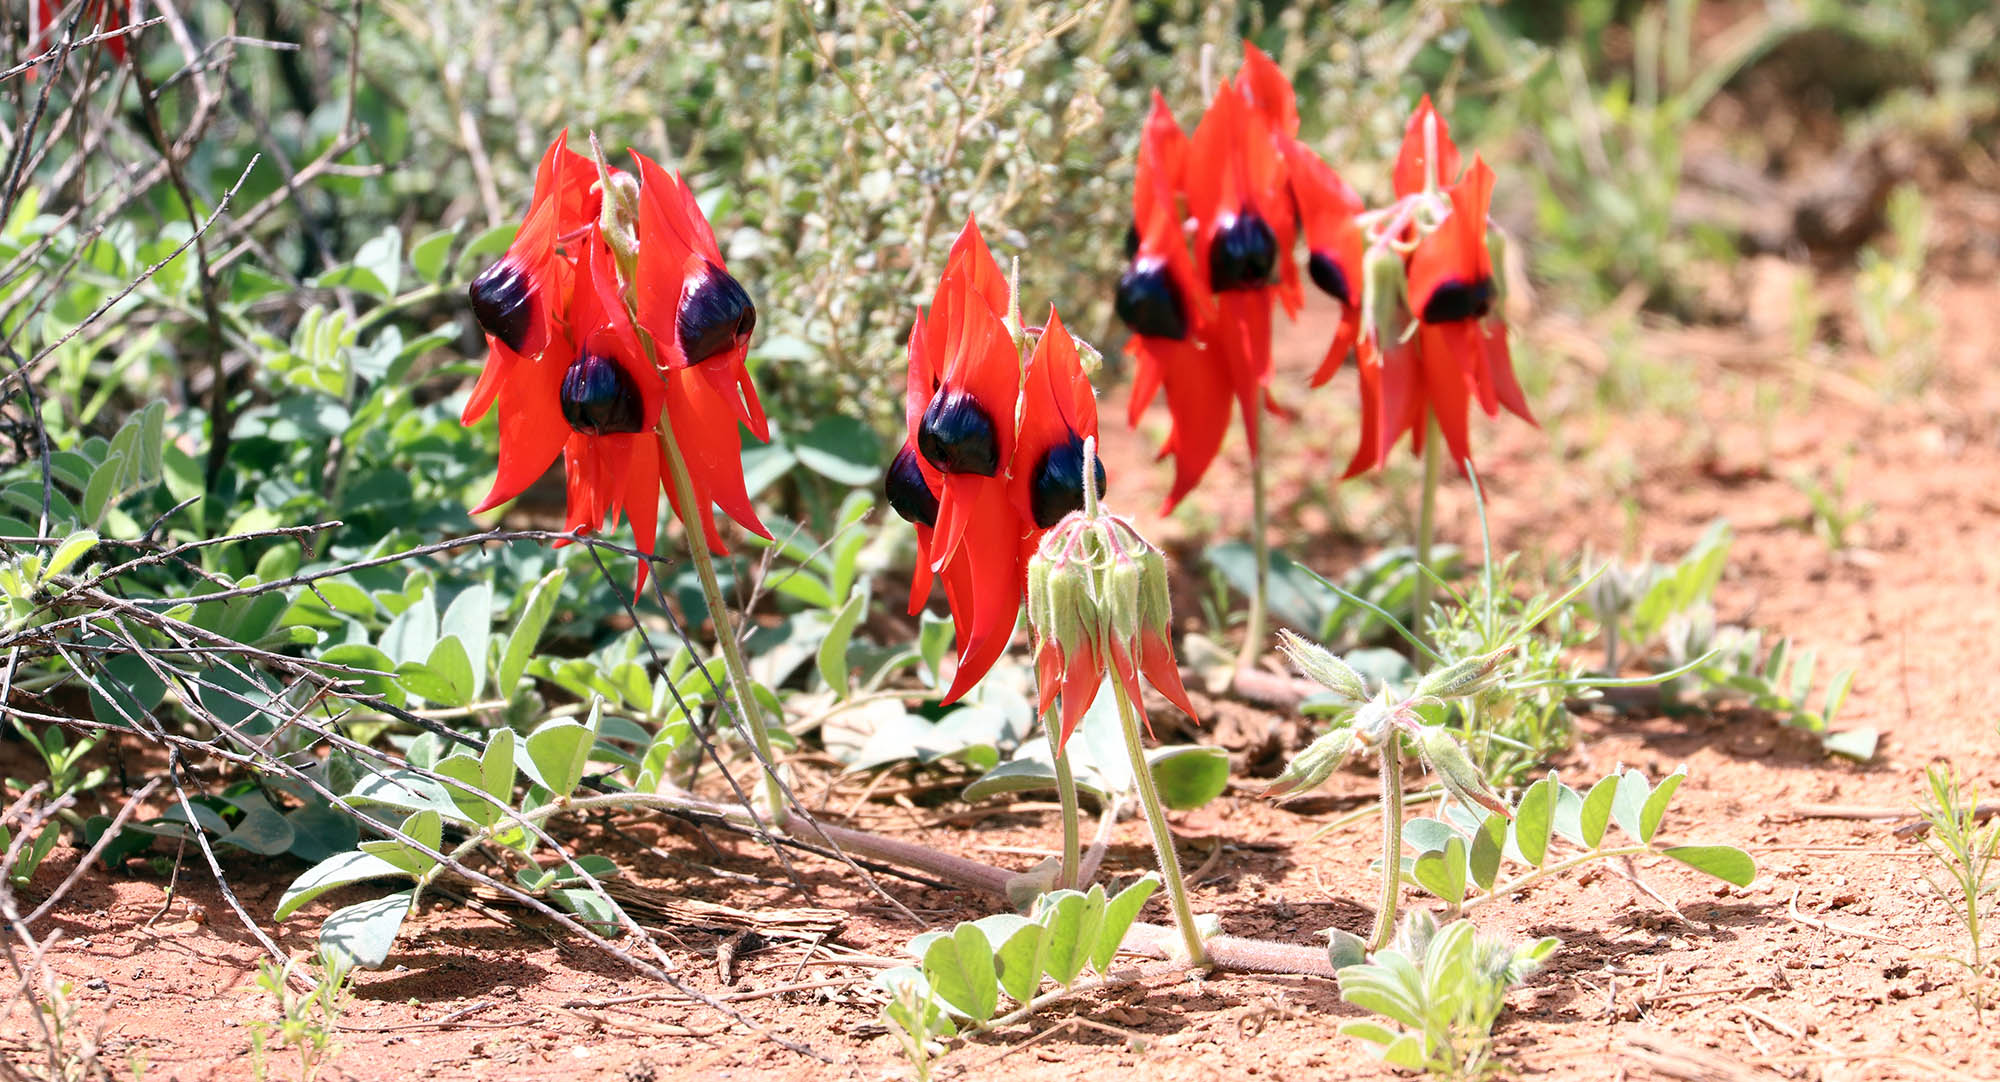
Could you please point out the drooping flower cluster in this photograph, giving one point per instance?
(995, 450)
(612, 327)
(1415, 281)
(1098, 601)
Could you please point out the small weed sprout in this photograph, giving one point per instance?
(1964, 877)
(1898, 323)
(1444, 988)
(306, 1021)
(1831, 516)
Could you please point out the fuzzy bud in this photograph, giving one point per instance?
(1384, 297)
(1041, 612)
(1457, 771)
(1465, 676)
(1320, 665)
(1156, 608)
(1310, 768)
(1120, 594)
(618, 219)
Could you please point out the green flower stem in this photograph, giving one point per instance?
(1163, 838)
(1514, 886)
(1392, 841)
(1260, 594)
(1072, 853)
(740, 686)
(1420, 593)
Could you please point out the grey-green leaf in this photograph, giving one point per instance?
(1065, 949)
(367, 930)
(471, 800)
(1656, 805)
(960, 968)
(338, 870)
(528, 631)
(1533, 819)
(1488, 844)
(1596, 815)
(1119, 913)
(833, 649)
(1443, 871)
(557, 754)
(1017, 953)
(1725, 862)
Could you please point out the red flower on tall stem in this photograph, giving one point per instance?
(1447, 346)
(1202, 322)
(612, 326)
(1169, 310)
(992, 458)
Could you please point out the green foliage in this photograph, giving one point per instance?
(1440, 991)
(476, 796)
(1832, 514)
(1899, 323)
(1665, 614)
(1634, 603)
(306, 1021)
(963, 972)
(1781, 683)
(1611, 143)
(1966, 855)
(1459, 856)
(21, 868)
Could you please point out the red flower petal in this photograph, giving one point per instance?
(1268, 91)
(990, 565)
(1410, 161)
(1156, 659)
(1057, 403)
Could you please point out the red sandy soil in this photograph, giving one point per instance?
(1832, 965)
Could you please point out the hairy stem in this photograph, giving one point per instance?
(1392, 841)
(1420, 594)
(725, 629)
(1072, 851)
(1163, 838)
(1515, 886)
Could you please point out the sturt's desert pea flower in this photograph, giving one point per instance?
(1432, 337)
(994, 453)
(612, 327)
(1240, 190)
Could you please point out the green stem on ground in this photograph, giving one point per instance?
(1072, 851)
(1260, 594)
(1163, 838)
(1392, 841)
(1420, 594)
(740, 686)
(1520, 883)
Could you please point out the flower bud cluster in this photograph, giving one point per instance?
(1391, 716)
(1098, 603)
